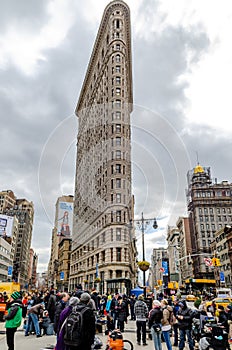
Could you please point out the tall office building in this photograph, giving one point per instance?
(63, 226)
(210, 209)
(23, 210)
(103, 241)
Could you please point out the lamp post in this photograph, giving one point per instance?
(142, 223)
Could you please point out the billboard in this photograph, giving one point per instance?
(65, 219)
(165, 268)
(6, 225)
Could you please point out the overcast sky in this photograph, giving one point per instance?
(182, 71)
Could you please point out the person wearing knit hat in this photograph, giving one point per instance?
(13, 318)
(16, 295)
(72, 304)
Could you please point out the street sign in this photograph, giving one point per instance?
(10, 271)
(62, 276)
(208, 262)
(222, 277)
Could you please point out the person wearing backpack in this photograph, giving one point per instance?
(79, 328)
(59, 308)
(154, 323)
(73, 301)
(166, 320)
(13, 318)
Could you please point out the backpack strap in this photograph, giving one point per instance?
(82, 311)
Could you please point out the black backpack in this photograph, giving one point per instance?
(73, 327)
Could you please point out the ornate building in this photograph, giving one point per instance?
(23, 210)
(63, 227)
(103, 240)
(210, 209)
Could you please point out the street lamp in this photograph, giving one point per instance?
(142, 224)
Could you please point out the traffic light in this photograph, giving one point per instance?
(216, 262)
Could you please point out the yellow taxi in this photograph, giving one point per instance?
(191, 297)
(219, 301)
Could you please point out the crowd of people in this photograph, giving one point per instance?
(169, 320)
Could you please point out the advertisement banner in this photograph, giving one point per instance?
(165, 268)
(6, 225)
(65, 219)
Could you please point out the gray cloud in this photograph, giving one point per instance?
(38, 131)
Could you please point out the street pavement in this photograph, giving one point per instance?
(46, 342)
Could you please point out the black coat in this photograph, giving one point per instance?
(155, 316)
(188, 315)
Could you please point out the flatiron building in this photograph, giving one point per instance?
(103, 248)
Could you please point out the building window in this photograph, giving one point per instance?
(118, 103)
(112, 216)
(111, 254)
(112, 235)
(117, 48)
(118, 80)
(118, 274)
(118, 183)
(118, 168)
(118, 141)
(117, 58)
(211, 210)
(118, 115)
(118, 69)
(118, 215)
(118, 234)
(118, 254)
(118, 154)
(118, 198)
(118, 128)
(103, 237)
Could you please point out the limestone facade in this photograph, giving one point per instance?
(103, 239)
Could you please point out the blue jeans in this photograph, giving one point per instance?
(183, 333)
(156, 336)
(32, 318)
(166, 335)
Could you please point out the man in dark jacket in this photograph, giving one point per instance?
(88, 324)
(13, 318)
(51, 305)
(184, 316)
(59, 308)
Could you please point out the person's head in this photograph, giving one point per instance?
(164, 303)
(140, 297)
(73, 301)
(85, 298)
(182, 304)
(15, 296)
(65, 297)
(220, 308)
(156, 303)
